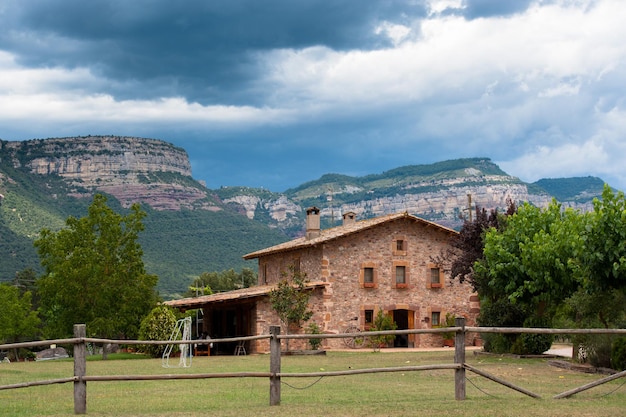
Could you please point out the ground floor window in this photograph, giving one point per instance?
(435, 319)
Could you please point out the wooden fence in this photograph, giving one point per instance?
(80, 377)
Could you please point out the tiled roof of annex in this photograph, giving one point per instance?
(228, 296)
(340, 231)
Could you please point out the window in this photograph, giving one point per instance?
(435, 319)
(399, 246)
(368, 275)
(264, 273)
(369, 317)
(400, 274)
(435, 277)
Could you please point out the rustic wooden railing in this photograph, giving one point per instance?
(459, 366)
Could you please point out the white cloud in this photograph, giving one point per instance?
(55, 96)
(435, 7)
(397, 33)
(569, 159)
(563, 89)
(543, 49)
(541, 90)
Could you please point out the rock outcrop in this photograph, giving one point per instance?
(133, 170)
(444, 200)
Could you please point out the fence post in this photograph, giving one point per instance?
(459, 358)
(274, 365)
(80, 370)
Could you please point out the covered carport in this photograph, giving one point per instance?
(238, 313)
(225, 315)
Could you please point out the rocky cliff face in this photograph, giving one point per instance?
(131, 169)
(447, 206)
(157, 173)
(445, 201)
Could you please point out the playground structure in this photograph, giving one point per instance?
(182, 332)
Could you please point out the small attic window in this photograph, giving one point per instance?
(399, 246)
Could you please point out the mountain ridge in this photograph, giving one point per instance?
(191, 229)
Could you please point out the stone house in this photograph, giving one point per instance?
(353, 271)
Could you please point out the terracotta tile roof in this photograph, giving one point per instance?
(339, 231)
(251, 292)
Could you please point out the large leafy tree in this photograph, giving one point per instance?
(534, 259)
(604, 257)
(94, 274)
(529, 266)
(557, 262)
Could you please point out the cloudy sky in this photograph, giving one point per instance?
(273, 93)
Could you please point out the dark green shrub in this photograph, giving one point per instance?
(498, 343)
(500, 313)
(618, 354)
(598, 350)
(532, 343)
(157, 325)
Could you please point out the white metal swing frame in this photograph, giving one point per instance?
(181, 332)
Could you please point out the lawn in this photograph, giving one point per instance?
(424, 393)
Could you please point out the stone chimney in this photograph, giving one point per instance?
(312, 222)
(349, 218)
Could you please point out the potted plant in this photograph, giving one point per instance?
(382, 322)
(448, 337)
(314, 329)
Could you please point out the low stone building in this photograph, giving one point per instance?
(354, 271)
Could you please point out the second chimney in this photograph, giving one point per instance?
(312, 222)
(349, 218)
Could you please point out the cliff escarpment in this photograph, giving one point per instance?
(446, 192)
(133, 170)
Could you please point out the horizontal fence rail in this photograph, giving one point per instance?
(275, 374)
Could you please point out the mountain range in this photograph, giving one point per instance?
(191, 229)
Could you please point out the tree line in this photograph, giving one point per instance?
(93, 273)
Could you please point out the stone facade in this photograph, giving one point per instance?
(338, 258)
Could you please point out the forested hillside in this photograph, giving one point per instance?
(178, 245)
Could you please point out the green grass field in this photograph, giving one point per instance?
(424, 393)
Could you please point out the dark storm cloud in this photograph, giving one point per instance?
(203, 50)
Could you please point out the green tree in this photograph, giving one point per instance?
(157, 325)
(604, 257)
(290, 300)
(529, 266)
(534, 259)
(467, 247)
(212, 282)
(18, 320)
(598, 309)
(26, 280)
(552, 261)
(94, 274)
